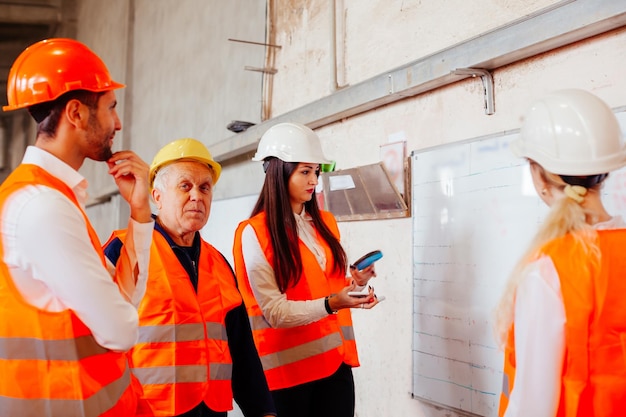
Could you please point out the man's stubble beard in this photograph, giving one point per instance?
(101, 149)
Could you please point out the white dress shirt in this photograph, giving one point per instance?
(540, 338)
(50, 257)
(276, 308)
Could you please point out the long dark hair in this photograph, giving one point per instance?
(281, 223)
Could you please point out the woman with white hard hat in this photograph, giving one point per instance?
(291, 270)
(562, 317)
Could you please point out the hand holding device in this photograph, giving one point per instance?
(360, 294)
(365, 296)
(360, 264)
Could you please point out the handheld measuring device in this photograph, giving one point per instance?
(367, 259)
(362, 263)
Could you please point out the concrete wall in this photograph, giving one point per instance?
(104, 27)
(371, 38)
(450, 114)
(186, 79)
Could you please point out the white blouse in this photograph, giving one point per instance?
(276, 308)
(52, 261)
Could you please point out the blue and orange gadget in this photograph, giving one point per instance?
(366, 260)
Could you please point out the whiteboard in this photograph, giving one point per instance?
(474, 213)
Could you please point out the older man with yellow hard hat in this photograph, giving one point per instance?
(195, 349)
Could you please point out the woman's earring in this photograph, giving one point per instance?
(544, 191)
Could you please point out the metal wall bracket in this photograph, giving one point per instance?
(487, 85)
(264, 70)
(255, 43)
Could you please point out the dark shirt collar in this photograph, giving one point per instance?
(188, 256)
(170, 241)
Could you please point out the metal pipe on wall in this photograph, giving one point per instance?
(337, 42)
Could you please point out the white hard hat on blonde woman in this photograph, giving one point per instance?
(572, 132)
(291, 142)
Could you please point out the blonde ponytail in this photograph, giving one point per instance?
(565, 216)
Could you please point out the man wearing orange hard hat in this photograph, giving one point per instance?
(65, 321)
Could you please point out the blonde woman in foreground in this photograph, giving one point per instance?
(562, 317)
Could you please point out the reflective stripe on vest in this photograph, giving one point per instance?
(508, 372)
(95, 405)
(506, 390)
(171, 333)
(347, 332)
(183, 373)
(216, 331)
(300, 352)
(181, 332)
(171, 374)
(259, 323)
(74, 349)
(57, 366)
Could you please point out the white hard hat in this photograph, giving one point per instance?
(572, 132)
(291, 142)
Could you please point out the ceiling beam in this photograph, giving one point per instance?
(29, 14)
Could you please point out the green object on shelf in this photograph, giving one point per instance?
(328, 167)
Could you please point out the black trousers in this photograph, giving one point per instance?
(332, 396)
(201, 410)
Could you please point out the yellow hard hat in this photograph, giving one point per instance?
(185, 149)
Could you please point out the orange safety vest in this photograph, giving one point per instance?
(182, 356)
(594, 371)
(51, 364)
(295, 355)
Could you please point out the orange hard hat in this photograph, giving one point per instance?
(49, 68)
